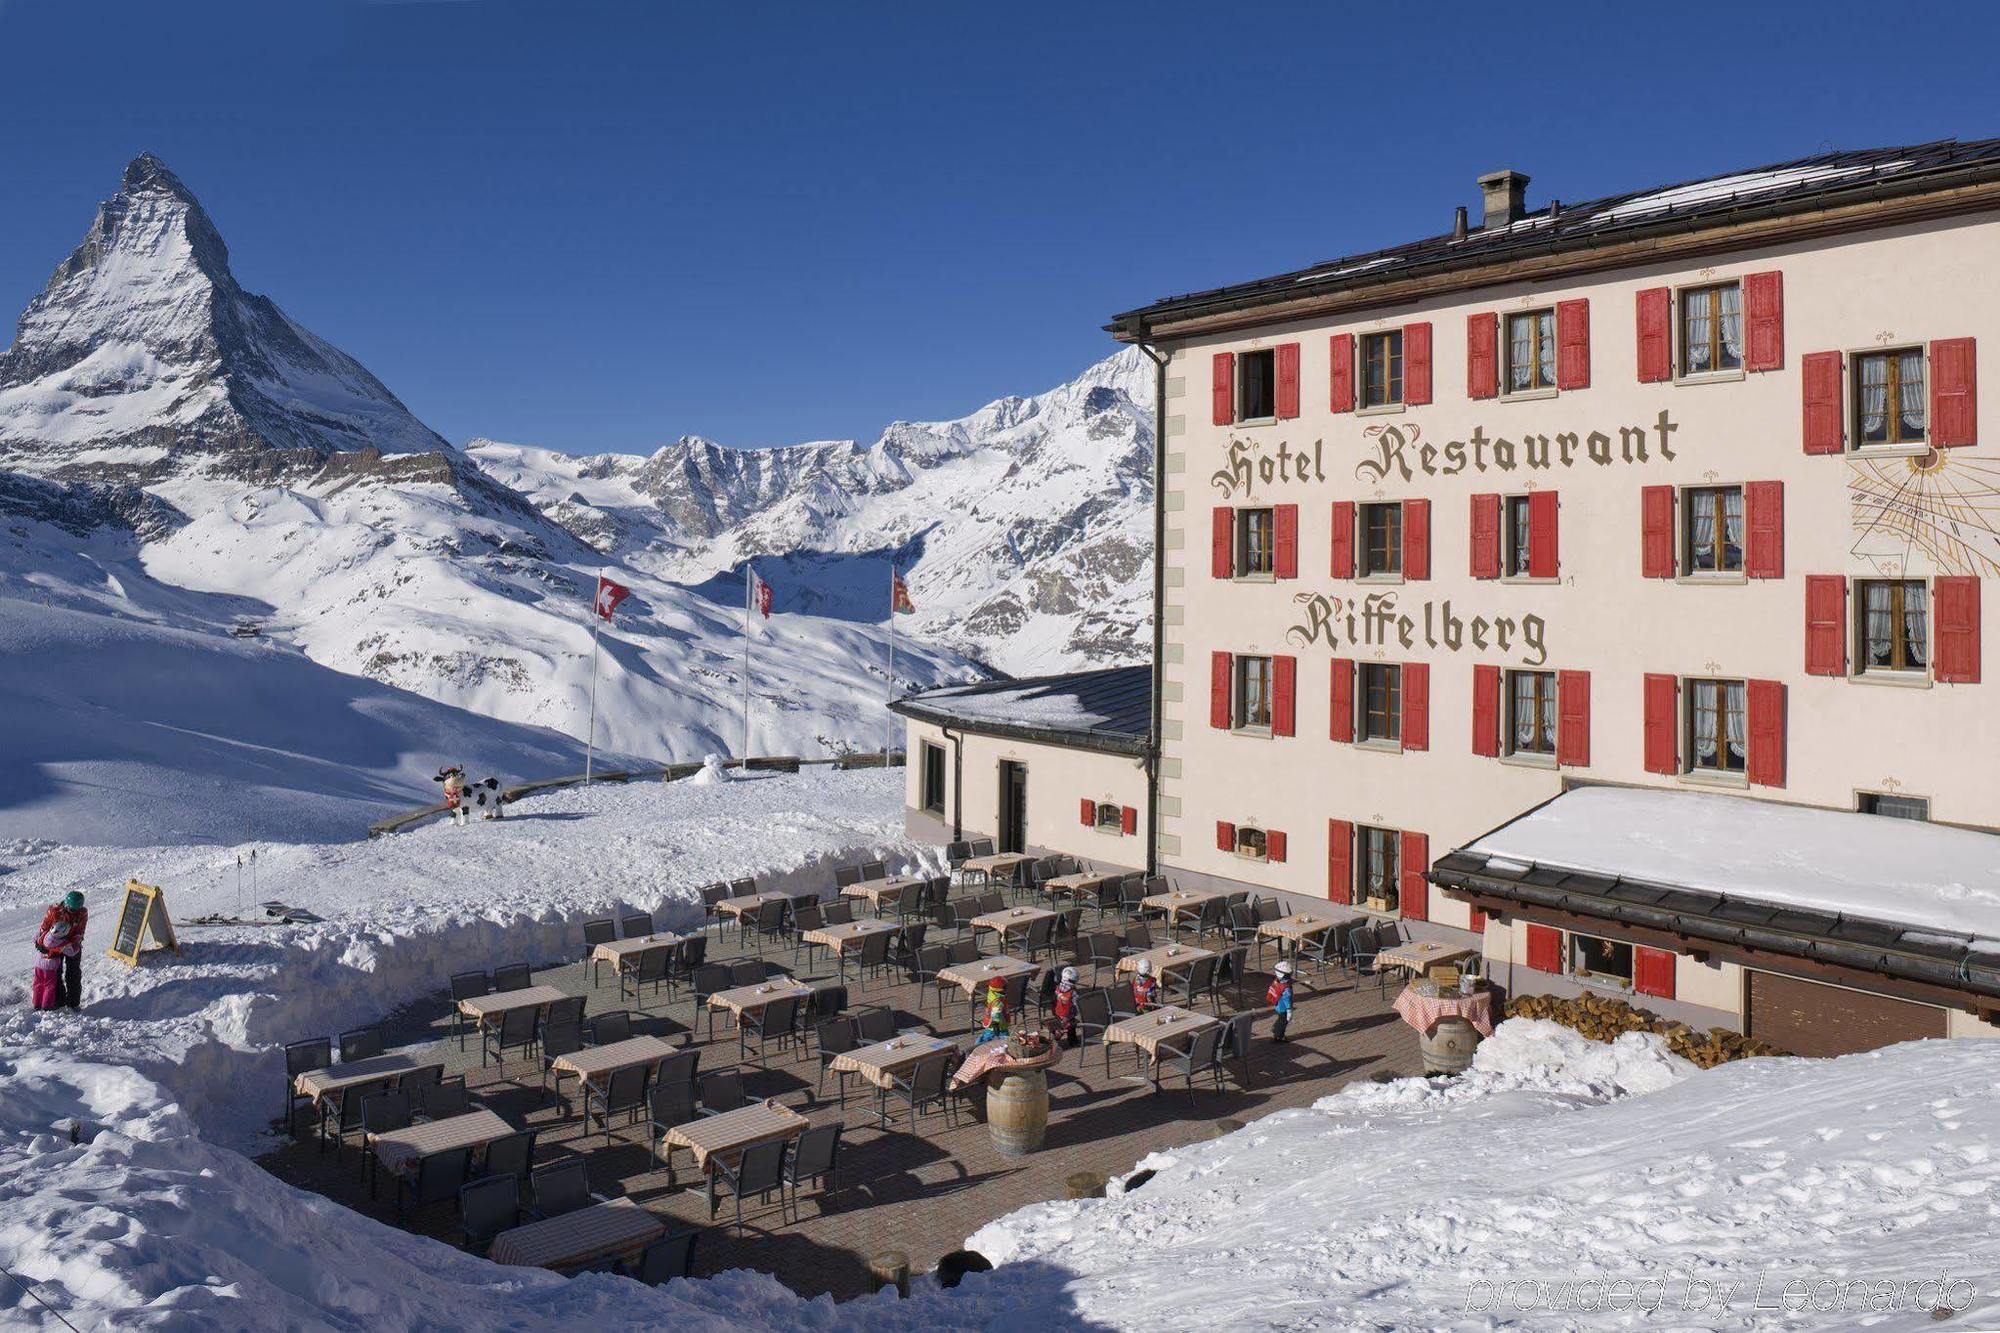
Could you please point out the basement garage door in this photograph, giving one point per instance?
(1808, 1018)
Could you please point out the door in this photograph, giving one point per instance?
(1013, 806)
(1809, 1018)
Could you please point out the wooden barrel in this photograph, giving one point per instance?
(1017, 1110)
(1447, 1048)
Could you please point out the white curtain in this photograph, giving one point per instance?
(1548, 357)
(1695, 316)
(1701, 529)
(1739, 745)
(1524, 711)
(1732, 529)
(1732, 328)
(1879, 629)
(1916, 626)
(1520, 352)
(1910, 403)
(1704, 722)
(1874, 397)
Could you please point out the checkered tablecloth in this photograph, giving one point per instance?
(998, 864)
(747, 905)
(1422, 955)
(619, 1227)
(879, 891)
(991, 1055)
(972, 976)
(399, 1150)
(1181, 902)
(757, 996)
(1074, 883)
(1166, 958)
(1158, 1027)
(601, 1061)
(1422, 1012)
(617, 951)
(1298, 925)
(322, 1083)
(848, 934)
(1011, 919)
(733, 1131)
(885, 1061)
(500, 1002)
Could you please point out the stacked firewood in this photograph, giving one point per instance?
(1602, 1018)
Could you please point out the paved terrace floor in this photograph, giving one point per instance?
(923, 1192)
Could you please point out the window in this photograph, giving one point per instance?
(1711, 329)
(1895, 807)
(1110, 818)
(1889, 397)
(1531, 351)
(1518, 563)
(1600, 960)
(1250, 842)
(1382, 368)
(1713, 542)
(1531, 713)
(1256, 385)
(1382, 539)
(1253, 692)
(1375, 878)
(1255, 543)
(933, 788)
(1718, 739)
(1381, 703)
(1893, 629)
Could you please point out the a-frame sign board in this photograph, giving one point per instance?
(143, 912)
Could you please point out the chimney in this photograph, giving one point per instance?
(1503, 193)
(1458, 224)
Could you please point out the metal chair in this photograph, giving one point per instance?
(769, 923)
(708, 979)
(956, 915)
(806, 917)
(742, 888)
(836, 1036)
(513, 1155)
(925, 1086)
(688, 957)
(711, 894)
(982, 846)
(957, 853)
(1038, 938)
(825, 1002)
(682, 1067)
(1237, 1047)
(776, 1021)
(814, 1157)
(515, 1031)
(667, 1258)
(635, 924)
(556, 1043)
(649, 970)
(609, 1027)
(721, 1091)
(439, 1176)
(1138, 938)
(907, 942)
(1185, 986)
(381, 1112)
(1131, 895)
(514, 976)
(1093, 1015)
(360, 1044)
(838, 914)
(847, 876)
(559, 1187)
(1104, 952)
(569, 1009)
(486, 1207)
(418, 1083)
(303, 1057)
(624, 1091)
(671, 1105)
(1202, 1056)
(758, 1171)
(598, 930)
(1235, 963)
(344, 1112)
(443, 1099)
(746, 972)
(874, 954)
(930, 960)
(466, 986)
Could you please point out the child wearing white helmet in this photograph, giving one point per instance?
(1062, 1009)
(1145, 987)
(1279, 997)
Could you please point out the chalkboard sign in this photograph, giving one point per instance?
(144, 909)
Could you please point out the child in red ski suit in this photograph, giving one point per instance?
(65, 945)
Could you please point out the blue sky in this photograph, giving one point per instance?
(597, 226)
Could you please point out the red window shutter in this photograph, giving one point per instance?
(1287, 359)
(1340, 373)
(1343, 539)
(1416, 539)
(1128, 819)
(1225, 389)
(1764, 510)
(1573, 344)
(1478, 922)
(1765, 704)
(1416, 890)
(1663, 751)
(1656, 337)
(1486, 536)
(1542, 563)
(1285, 546)
(1656, 532)
(1222, 542)
(1284, 695)
(1957, 603)
(1225, 836)
(1653, 972)
(1339, 861)
(1819, 378)
(1218, 691)
(1545, 949)
(1486, 710)
(1274, 845)
(1416, 364)
(1341, 699)
(1089, 812)
(1954, 400)
(1416, 706)
(1482, 355)
(1573, 718)
(1764, 320)
(1826, 625)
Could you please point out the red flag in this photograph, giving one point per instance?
(760, 594)
(899, 596)
(609, 594)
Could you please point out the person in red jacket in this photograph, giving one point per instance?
(69, 947)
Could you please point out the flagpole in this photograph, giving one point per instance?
(748, 585)
(596, 626)
(889, 719)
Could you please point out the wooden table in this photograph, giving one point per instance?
(883, 1062)
(601, 1062)
(722, 1138)
(625, 953)
(1000, 863)
(1075, 885)
(484, 1009)
(620, 1227)
(748, 904)
(399, 1150)
(1295, 928)
(878, 891)
(848, 935)
(972, 977)
(1166, 958)
(1169, 1027)
(756, 997)
(1181, 901)
(325, 1084)
(1010, 919)
(1420, 956)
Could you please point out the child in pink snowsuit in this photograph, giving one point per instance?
(48, 986)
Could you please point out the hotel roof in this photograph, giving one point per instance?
(1108, 709)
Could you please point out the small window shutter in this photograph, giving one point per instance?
(1416, 706)
(1819, 378)
(1274, 845)
(1340, 373)
(1954, 401)
(1415, 889)
(1225, 836)
(1482, 355)
(1222, 542)
(1573, 718)
(1343, 539)
(1218, 691)
(1128, 819)
(1478, 922)
(1545, 948)
(1957, 603)
(1285, 543)
(1287, 358)
(1826, 625)
(1339, 861)
(1284, 695)
(1416, 364)
(1542, 562)
(1089, 812)
(1653, 972)
(1416, 539)
(1765, 703)
(1341, 699)
(1486, 536)
(1764, 507)
(1656, 340)
(1573, 344)
(1656, 532)
(1764, 320)
(1225, 389)
(1486, 710)
(1663, 753)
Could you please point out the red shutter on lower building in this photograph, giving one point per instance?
(1284, 695)
(1416, 706)
(1286, 355)
(1224, 398)
(1274, 845)
(1764, 513)
(1340, 699)
(1486, 536)
(1663, 753)
(1954, 399)
(1656, 337)
(1573, 718)
(1416, 539)
(1218, 691)
(1653, 972)
(1656, 532)
(1573, 344)
(1128, 819)
(1486, 710)
(1826, 625)
(1957, 603)
(1819, 383)
(1340, 372)
(1482, 355)
(1089, 812)
(1764, 320)
(1415, 889)
(1343, 539)
(1285, 541)
(1545, 948)
(1222, 542)
(1225, 836)
(1542, 561)
(1765, 703)
(1416, 364)
(1339, 861)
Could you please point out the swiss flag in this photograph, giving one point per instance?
(760, 595)
(609, 594)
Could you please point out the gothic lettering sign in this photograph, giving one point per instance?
(1378, 620)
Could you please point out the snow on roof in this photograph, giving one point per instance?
(1858, 865)
(1735, 187)
(1113, 704)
